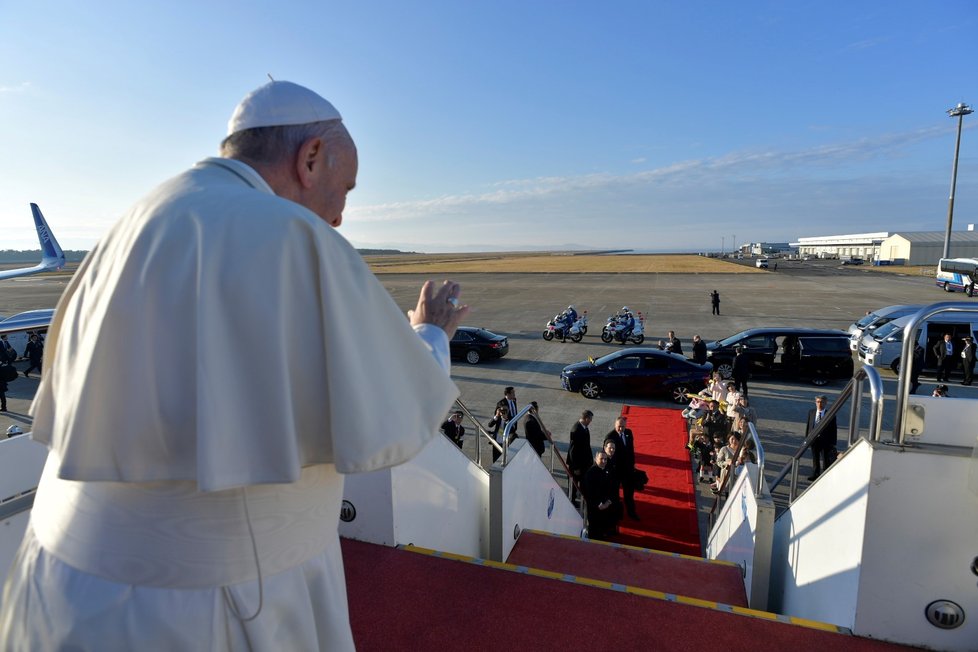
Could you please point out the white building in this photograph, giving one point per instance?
(926, 247)
(861, 245)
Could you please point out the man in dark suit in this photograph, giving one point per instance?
(699, 350)
(625, 462)
(741, 370)
(823, 448)
(968, 361)
(579, 453)
(453, 428)
(536, 434)
(508, 401)
(944, 352)
(673, 345)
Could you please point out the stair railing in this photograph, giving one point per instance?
(554, 453)
(751, 435)
(483, 433)
(852, 391)
(909, 340)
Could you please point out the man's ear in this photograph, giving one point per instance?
(310, 161)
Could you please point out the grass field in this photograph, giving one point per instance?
(537, 262)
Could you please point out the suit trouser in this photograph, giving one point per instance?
(969, 371)
(823, 454)
(945, 368)
(628, 495)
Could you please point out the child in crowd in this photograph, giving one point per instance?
(704, 453)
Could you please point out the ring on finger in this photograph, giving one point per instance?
(453, 301)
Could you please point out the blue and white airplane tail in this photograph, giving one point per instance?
(52, 257)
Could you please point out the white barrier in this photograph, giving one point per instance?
(743, 534)
(524, 495)
(437, 500)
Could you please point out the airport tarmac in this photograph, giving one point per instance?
(820, 294)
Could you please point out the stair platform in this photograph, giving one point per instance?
(668, 572)
(416, 599)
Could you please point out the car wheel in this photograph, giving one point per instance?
(472, 356)
(725, 369)
(606, 337)
(680, 394)
(638, 339)
(895, 366)
(548, 335)
(946, 287)
(820, 381)
(590, 389)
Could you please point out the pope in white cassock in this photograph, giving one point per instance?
(215, 365)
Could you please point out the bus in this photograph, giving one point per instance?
(957, 274)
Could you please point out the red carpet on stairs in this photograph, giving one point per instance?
(403, 600)
(639, 567)
(667, 505)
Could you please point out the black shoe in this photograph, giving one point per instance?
(634, 517)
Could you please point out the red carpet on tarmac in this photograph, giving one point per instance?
(667, 505)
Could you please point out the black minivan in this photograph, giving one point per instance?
(814, 354)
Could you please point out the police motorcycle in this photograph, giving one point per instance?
(617, 328)
(567, 324)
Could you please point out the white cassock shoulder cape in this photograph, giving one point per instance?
(225, 335)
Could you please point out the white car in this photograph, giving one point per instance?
(761, 263)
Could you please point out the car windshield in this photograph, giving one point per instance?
(867, 320)
(733, 339)
(886, 330)
(608, 358)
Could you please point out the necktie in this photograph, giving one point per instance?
(818, 416)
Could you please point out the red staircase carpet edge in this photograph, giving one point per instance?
(399, 600)
(667, 505)
(668, 572)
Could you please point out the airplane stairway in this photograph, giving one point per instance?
(667, 572)
(416, 599)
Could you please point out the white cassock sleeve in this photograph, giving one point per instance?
(228, 336)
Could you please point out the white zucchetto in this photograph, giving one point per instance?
(280, 103)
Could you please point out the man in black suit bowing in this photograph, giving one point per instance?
(625, 462)
(823, 448)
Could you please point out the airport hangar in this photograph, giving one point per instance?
(898, 248)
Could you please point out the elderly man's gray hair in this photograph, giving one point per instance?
(271, 145)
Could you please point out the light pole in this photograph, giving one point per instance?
(958, 112)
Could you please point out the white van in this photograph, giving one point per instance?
(761, 263)
(878, 318)
(884, 346)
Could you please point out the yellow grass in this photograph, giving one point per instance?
(537, 262)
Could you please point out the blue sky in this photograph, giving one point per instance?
(503, 124)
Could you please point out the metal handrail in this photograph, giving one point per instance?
(485, 433)
(511, 425)
(853, 390)
(909, 339)
(571, 482)
(758, 492)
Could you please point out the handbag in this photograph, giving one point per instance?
(7, 373)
